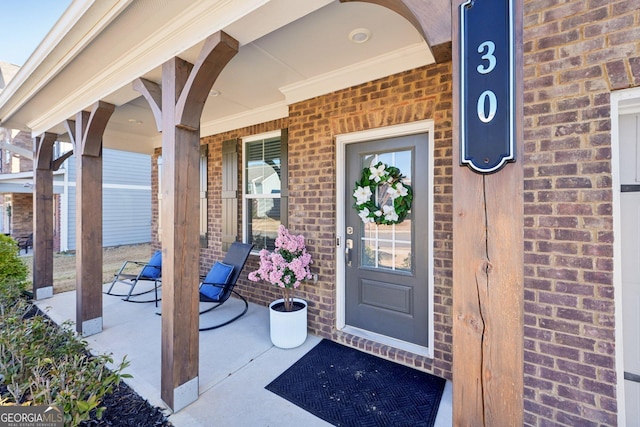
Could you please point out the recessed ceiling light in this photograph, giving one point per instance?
(360, 35)
(135, 121)
(214, 92)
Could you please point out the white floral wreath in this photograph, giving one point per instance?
(394, 204)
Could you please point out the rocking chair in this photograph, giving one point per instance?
(217, 286)
(150, 271)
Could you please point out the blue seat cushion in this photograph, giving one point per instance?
(154, 267)
(219, 274)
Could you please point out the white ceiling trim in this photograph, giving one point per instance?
(190, 28)
(249, 118)
(408, 58)
(127, 141)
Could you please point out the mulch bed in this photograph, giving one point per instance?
(124, 407)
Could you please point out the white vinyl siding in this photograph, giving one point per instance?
(126, 199)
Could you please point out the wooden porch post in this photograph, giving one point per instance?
(185, 88)
(43, 216)
(87, 143)
(488, 272)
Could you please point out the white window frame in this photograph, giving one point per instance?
(245, 140)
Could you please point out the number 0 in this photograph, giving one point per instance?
(493, 106)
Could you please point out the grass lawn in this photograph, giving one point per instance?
(64, 264)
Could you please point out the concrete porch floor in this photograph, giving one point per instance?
(236, 362)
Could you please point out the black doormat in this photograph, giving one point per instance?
(347, 387)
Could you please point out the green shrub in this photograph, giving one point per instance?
(43, 364)
(13, 271)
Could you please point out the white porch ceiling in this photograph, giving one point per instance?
(290, 50)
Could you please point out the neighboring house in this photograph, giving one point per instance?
(302, 108)
(126, 203)
(126, 181)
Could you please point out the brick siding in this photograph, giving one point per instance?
(410, 96)
(575, 53)
(420, 94)
(21, 214)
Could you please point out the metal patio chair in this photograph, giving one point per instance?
(149, 271)
(218, 285)
(25, 242)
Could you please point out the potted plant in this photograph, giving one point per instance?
(286, 267)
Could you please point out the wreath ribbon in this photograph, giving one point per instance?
(393, 205)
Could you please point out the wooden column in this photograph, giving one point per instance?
(43, 216)
(488, 246)
(87, 142)
(185, 88)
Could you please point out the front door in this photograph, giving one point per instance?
(386, 266)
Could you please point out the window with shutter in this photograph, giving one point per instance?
(229, 193)
(264, 188)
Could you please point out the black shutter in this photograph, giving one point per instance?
(204, 218)
(284, 177)
(229, 193)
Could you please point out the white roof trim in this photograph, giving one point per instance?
(193, 26)
(76, 11)
(411, 57)
(238, 121)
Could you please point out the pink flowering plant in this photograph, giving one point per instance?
(286, 267)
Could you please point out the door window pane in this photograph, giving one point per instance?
(388, 247)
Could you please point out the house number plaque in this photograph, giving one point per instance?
(487, 134)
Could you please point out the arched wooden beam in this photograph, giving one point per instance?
(218, 50)
(185, 88)
(86, 134)
(43, 216)
(60, 160)
(431, 18)
(153, 94)
(91, 143)
(70, 126)
(44, 150)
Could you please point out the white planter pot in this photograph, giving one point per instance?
(288, 329)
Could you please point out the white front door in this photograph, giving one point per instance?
(630, 254)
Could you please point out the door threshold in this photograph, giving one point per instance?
(386, 340)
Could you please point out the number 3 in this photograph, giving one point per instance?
(489, 56)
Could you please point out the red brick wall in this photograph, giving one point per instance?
(576, 52)
(21, 214)
(415, 95)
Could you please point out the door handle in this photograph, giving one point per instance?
(347, 251)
